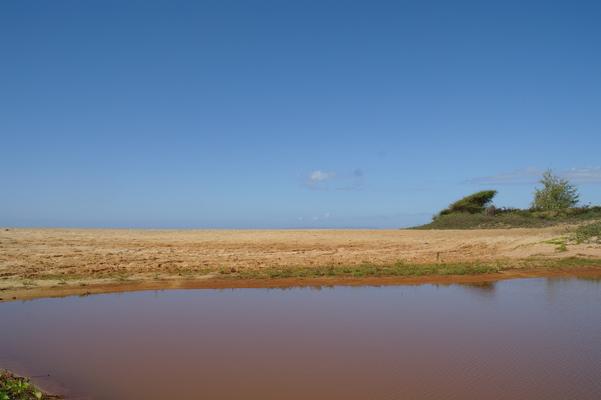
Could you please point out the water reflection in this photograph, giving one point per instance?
(482, 289)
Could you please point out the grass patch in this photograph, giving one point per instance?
(586, 233)
(561, 244)
(402, 269)
(368, 270)
(561, 263)
(16, 388)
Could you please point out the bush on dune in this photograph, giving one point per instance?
(556, 193)
(472, 204)
(554, 203)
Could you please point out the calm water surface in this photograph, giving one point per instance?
(519, 339)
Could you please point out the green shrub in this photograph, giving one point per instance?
(472, 204)
(556, 193)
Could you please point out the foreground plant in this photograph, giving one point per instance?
(16, 388)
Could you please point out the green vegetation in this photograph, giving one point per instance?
(555, 203)
(369, 270)
(556, 193)
(589, 233)
(472, 204)
(560, 243)
(15, 388)
(514, 218)
(403, 269)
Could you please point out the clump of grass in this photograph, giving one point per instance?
(589, 233)
(561, 244)
(16, 388)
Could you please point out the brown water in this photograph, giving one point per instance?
(519, 339)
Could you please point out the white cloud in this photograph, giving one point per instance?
(329, 180)
(319, 180)
(320, 176)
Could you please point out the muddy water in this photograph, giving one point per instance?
(519, 339)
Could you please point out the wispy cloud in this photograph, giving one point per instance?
(525, 175)
(329, 180)
(532, 175)
(583, 175)
(352, 181)
(319, 180)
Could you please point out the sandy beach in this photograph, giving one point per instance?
(38, 262)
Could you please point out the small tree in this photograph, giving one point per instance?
(473, 204)
(556, 194)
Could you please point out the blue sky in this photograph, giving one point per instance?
(283, 114)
